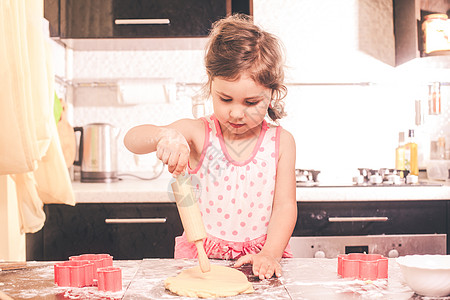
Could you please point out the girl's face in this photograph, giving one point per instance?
(239, 105)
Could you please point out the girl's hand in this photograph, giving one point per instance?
(264, 266)
(172, 149)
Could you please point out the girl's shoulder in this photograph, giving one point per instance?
(287, 141)
(285, 135)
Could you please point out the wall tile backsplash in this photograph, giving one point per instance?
(127, 116)
(337, 128)
(182, 66)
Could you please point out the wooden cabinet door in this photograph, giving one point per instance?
(166, 18)
(138, 18)
(115, 229)
(86, 18)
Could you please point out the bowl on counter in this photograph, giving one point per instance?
(427, 275)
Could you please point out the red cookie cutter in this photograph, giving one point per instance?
(81, 270)
(109, 279)
(74, 273)
(363, 266)
(99, 260)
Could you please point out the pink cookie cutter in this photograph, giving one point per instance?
(99, 261)
(81, 270)
(363, 266)
(109, 279)
(74, 273)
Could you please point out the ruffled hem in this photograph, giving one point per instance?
(221, 249)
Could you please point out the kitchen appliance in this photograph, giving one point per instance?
(366, 177)
(390, 228)
(389, 245)
(306, 177)
(97, 152)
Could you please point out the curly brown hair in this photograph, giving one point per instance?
(237, 45)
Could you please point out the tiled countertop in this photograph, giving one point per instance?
(158, 190)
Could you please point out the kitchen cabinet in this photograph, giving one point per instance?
(92, 19)
(186, 17)
(390, 228)
(77, 19)
(125, 231)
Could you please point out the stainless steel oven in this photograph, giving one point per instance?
(386, 245)
(390, 228)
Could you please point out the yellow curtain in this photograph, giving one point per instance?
(30, 151)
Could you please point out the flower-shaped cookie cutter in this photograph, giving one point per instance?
(74, 273)
(109, 279)
(99, 261)
(81, 270)
(363, 266)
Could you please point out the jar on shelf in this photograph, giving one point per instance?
(436, 32)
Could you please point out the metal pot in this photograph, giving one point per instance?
(97, 152)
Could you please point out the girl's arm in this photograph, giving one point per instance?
(174, 144)
(284, 214)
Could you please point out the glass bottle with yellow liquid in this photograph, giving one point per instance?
(411, 161)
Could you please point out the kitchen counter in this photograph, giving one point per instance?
(303, 278)
(159, 190)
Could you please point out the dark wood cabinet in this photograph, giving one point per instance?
(374, 218)
(179, 18)
(125, 231)
(73, 19)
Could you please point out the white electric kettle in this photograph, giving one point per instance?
(97, 152)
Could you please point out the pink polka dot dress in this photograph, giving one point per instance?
(235, 197)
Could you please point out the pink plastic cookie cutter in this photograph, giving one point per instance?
(363, 266)
(109, 279)
(74, 273)
(81, 270)
(99, 261)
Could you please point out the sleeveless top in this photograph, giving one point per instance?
(236, 197)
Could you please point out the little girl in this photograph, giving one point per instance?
(245, 167)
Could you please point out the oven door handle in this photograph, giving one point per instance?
(136, 221)
(357, 219)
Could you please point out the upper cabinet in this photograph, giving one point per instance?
(138, 18)
(117, 19)
(409, 16)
